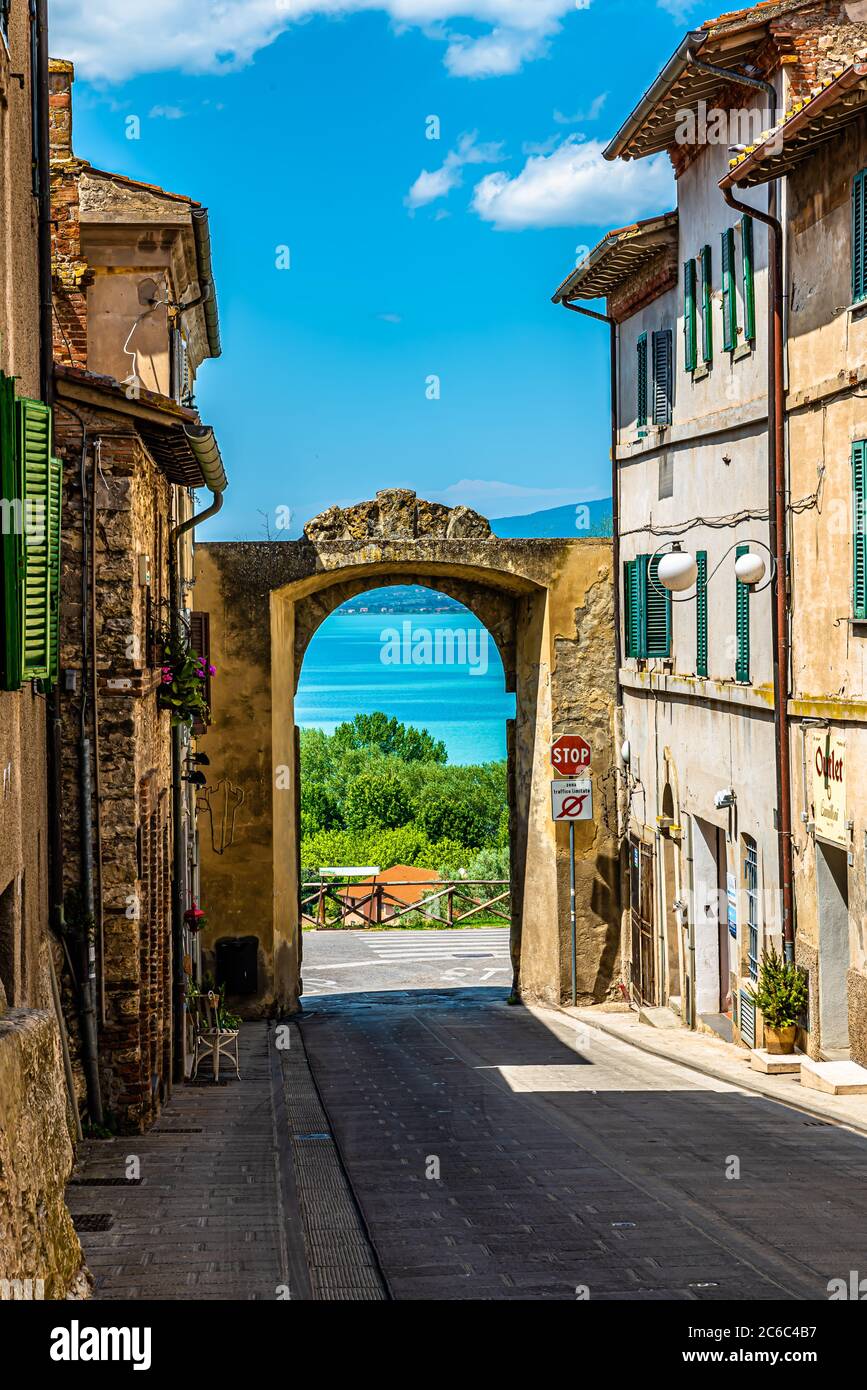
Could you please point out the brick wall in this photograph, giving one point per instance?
(71, 273)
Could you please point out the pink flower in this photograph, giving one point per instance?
(212, 670)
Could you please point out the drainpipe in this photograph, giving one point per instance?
(615, 481)
(779, 548)
(759, 84)
(217, 484)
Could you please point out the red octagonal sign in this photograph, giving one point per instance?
(570, 753)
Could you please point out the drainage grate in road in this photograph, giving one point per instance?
(179, 1129)
(104, 1182)
(93, 1221)
(321, 1135)
(818, 1124)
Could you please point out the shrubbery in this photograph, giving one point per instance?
(380, 792)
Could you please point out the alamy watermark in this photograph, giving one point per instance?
(423, 646)
(737, 128)
(23, 517)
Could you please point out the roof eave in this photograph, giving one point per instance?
(673, 69)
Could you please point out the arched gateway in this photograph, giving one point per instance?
(547, 604)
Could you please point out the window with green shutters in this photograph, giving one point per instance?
(706, 305)
(729, 296)
(662, 379)
(859, 529)
(749, 280)
(647, 609)
(859, 237)
(690, 327)
(641, 370)
(701, 614)
(742, 668)
(30, 540)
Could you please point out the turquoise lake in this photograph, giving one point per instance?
(439, 671)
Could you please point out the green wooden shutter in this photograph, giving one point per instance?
(34, 461)
(690, 327)
(642, 380)
(701, 614)
(633, 608)
(55, 506)
(662, 344)
(749, 280)
(11, 493)
(657, 611)
(859, 237)
(742, 670)
(706, 304)
(729, 300)
(859, 529)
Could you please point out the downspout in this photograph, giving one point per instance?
(178, 844)
(759, 84)
(779, 548)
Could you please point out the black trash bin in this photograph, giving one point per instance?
(237, 961)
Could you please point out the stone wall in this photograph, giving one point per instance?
(133, 518)
(37, 1239)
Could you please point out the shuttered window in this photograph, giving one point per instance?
(662, 354)
(859, 237)
(690, 326)
(706, 305)
(859, 529)
(641, 371)
(729, 297)
(742, 669)
(31, 548)
(200, 643)
(701, 614)
(55, 507)
(647, 609)
(749, 280)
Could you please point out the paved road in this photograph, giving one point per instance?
(504, 1153)
(344, 962)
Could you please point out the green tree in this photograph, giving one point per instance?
(376, 732)
(376, 799)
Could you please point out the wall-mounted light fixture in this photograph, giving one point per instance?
(678, 569)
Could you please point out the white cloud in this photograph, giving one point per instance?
(497, 54)
(390, 318)
(593, 112)
(491, 496)
(575, 186)
(166, 113)
(432, 184)
(109, 41)
(678, 9)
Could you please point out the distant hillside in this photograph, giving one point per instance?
(568, 521)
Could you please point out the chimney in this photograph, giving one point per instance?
(61, 76)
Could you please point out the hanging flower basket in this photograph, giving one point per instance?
(182, 683)
(195, 918)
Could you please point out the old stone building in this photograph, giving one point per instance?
(135, 316)
(39, 1250)
(703, 690)
(547, 605)
(819, 152)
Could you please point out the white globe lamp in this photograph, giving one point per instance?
(677, 570)
(750, 569)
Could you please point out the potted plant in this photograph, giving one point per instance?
(782, 997)
(183, 679)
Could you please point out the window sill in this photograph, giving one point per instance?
(701, 373)
(741, 351)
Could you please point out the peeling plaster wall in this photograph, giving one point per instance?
(548, 604)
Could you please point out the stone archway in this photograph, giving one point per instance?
(547, 604)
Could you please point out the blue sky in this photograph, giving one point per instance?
(303, 124)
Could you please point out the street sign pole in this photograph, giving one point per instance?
(572, 921)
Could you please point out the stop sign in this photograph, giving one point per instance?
(569, 754)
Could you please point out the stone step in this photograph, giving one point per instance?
(658, 1017)
(834, 1078)
(772, 1063)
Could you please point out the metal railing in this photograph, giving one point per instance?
(449, 903)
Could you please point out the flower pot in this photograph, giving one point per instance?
(780, 1042)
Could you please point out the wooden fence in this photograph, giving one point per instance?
(343, 903)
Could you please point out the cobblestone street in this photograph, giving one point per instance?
(495, 1153)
